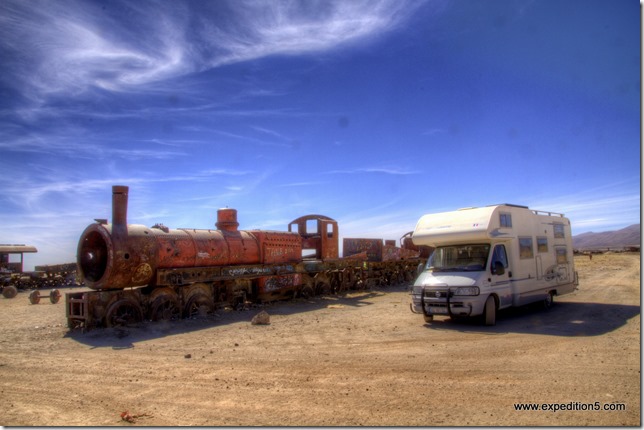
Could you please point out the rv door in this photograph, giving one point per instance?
(501, 275)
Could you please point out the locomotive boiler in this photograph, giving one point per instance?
(142, 273)
(121, 255)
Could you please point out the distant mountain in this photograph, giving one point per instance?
(626, 237)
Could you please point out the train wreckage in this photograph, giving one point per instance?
(139, 273)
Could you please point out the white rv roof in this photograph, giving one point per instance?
(469, 224)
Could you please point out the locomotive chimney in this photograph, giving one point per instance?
(227, 219)
(119, 204)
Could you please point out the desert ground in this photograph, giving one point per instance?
(359, 359)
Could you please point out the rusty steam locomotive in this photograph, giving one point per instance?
(139, 273)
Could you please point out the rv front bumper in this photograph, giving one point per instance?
(440, 302)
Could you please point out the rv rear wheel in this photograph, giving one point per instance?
(549, 300)
(489, 313)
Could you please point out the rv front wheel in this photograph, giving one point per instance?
(489, 312)
(428, 318)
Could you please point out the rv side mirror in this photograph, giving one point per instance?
(497, 268)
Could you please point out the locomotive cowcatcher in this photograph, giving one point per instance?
(157, 273)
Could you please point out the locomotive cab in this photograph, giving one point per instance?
(319, 234)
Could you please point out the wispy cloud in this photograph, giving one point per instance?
(382, 170)
(77, 45)
(613, 205)
(28, 192)
(302, 184)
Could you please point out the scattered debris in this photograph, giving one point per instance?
(187, 356)
(35, 296)
(262, 318)
(131, 418)
(335, 306)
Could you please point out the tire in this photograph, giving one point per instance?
(549, 300)
(489, 312)
(428, 318)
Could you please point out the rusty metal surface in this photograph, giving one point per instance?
(276, 286)
(407, 243)
(393, 253)
(227, 219)
(278, 247)
(375, 250)
(319, 234)
(118, 255)
(189, 272)
(372, 247)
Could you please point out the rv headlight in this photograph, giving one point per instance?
(466, 291)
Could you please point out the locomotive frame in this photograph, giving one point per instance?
(139, 274)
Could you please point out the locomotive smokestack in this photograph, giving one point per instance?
(119, 204)
(227, 219)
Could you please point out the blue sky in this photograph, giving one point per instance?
(371, 112)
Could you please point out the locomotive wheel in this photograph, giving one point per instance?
(34, 297)
(337, 284)
(346, 279)
(165, 308)
(9, 292)
(307, 291)
(359, 280)
(410, 275)
(54, 296)
(123, 312)
(239, 302)
(322, 284)
(199, 305)
(399, 277)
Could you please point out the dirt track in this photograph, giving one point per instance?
(361, 359)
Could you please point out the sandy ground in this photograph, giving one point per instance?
(360, 359)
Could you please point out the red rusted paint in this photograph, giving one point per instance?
(322, 240)
(407, 243)
(278, 247)
(272, 284)
(373, 248)
(115, 256)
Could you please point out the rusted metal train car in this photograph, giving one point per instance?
(140, 273)
(14, 278)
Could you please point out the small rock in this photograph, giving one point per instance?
(262, 318)
(187, 356)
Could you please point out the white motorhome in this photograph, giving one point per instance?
(490, 258)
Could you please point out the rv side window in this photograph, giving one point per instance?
(542, 244)
(506, 220)
(525, 247)
(562, 255)
(559, 230)
(500, 256)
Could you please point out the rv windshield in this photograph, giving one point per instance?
(459, 258)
